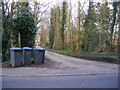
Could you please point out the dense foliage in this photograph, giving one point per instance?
(88, 26)
(94, 31)
(5, 34)
(24, 24)
(18, 27)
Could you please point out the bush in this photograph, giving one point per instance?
(25, 25)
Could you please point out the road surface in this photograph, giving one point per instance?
(90, 81)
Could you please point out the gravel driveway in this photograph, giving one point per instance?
(61, 64)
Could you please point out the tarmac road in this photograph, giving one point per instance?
(89, 81)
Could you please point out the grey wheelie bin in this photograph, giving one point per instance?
(15, 57)
(27, 55)
(38, 55)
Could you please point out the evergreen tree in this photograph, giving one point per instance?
(24, 24)
(104, 16)
(90, 42)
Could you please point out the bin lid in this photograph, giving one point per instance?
(15, 48)
(38, 48)
(27, 48)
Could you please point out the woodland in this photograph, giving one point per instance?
(92, 27)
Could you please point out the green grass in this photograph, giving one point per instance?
(101, 55)
(107, 55)
(87, 54)
(62, 51)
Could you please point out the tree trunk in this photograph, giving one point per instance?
(78, 28)
(11, 21)
(113, 24)
(119, 32)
